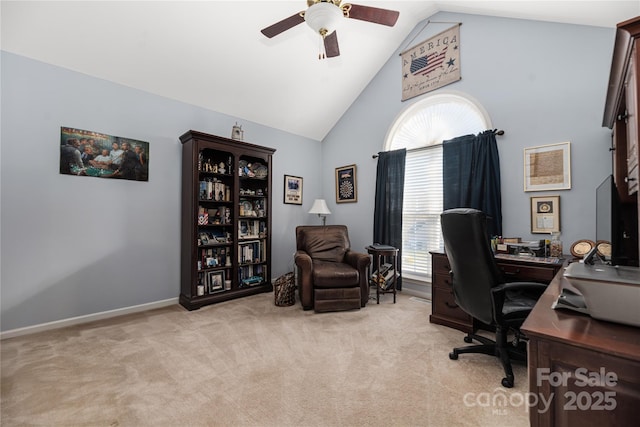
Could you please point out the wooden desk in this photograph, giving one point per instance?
(446, 312)
(560, 343)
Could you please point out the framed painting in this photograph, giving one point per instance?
(292, 190)
(89, 153)
(547, 167)
(545, 214)
(346, 184)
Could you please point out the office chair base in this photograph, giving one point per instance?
(504, 352)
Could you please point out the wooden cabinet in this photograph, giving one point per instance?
(226, 219)
(446, 312)
(621, 116)
(630, 119)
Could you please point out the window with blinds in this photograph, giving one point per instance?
(420, 129)
(421, 211)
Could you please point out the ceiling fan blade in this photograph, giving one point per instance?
(282, 26)
(331, 45)
(372, 14)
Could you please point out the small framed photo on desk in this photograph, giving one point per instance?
(545, 214)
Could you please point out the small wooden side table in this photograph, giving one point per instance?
(382, 253)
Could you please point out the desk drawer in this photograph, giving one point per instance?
(444, 305)
(524, 273)
(440, 264)
(442, 281)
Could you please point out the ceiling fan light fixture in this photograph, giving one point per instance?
(323, 18)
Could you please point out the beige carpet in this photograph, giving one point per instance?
(249, 363)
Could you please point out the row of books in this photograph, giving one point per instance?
(253, 251)
(214, 190)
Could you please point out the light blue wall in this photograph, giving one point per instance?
(74, 246)
(541, 82)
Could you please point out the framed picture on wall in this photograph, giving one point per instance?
(292, 190)
(545, 214)
(346, 184)
(90, 153)
(547, 167)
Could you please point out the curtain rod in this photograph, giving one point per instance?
(495, 131)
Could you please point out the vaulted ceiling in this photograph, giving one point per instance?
(212, 54)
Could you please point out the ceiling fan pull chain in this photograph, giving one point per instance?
(321, 49)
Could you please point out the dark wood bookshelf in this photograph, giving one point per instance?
(237, 187)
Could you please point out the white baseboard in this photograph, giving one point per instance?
(86, 318)
(415, 293)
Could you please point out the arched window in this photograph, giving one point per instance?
(421, 128)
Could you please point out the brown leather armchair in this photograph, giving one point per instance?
(331, 277)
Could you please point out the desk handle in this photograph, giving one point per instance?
(511, 273)
(450, 305)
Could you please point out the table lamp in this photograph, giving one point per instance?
(320, 207)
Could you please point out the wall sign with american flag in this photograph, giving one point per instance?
(431, 64)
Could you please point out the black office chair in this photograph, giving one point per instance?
(480, 290)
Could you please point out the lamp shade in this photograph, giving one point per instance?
(320, 207)
(323, 17)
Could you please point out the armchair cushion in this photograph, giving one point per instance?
(334, 275)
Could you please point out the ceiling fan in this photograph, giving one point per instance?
(324, 15)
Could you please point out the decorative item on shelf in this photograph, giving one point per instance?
(261, 171)
(320, 207)
(203, 216)
(581, 247)
(236, 132)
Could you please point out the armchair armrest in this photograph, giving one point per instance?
(305, 278)
(357, 260)
(303, 260)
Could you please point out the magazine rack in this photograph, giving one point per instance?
(385, 270)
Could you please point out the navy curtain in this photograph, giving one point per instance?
(387, 215)
(471, 176)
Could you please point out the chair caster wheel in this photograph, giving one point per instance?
(507, 382)
(453, 356)
(468, 339)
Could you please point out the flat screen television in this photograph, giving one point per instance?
(609, 221)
